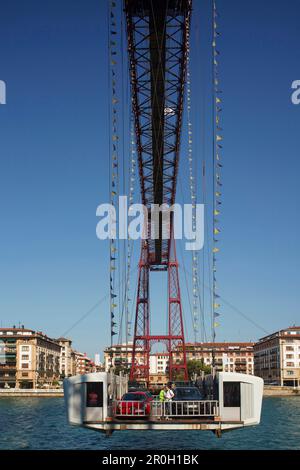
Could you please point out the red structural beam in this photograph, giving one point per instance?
(157, 42)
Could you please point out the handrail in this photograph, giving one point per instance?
(170, 409)
(186, 408)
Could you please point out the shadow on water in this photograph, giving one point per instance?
(40, 423)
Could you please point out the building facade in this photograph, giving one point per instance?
(28, 359)
(118, 355)
(66, 367)
(228, 357)
(83, 364)
(277, 357)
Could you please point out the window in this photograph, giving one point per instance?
(289, 348)
(24, 374)
(94, 394)
(290, 364)
(24, 366)
(289, 356)
(232, 394)
(25, 348)
(25, 357)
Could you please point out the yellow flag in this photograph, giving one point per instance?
(217, 305)
(218, 100)
(216, 324)
(216, 212)
(216, 231)
(216, 250)
(219, 137)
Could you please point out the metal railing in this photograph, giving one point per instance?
(167, 409)
(183, 409)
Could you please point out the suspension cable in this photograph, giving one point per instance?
(217, 165)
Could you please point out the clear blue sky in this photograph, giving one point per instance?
(53, 164)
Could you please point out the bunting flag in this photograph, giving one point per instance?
(193, 194)
(114, 157)
(217, 163)
(132, 179)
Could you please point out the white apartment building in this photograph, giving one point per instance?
(66, 360)
(277, 357)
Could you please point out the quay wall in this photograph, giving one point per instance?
(14, 392)
(277, 391)
(269, 391)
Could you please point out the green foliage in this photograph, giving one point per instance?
(196, 366)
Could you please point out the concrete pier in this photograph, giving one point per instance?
(17, 392)
(277, 391)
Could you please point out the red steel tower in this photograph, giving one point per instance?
(157, 33)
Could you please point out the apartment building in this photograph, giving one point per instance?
(118, 355)
(159, 365)
(28, 359)
(66, 366)
(277, 357)
(227, 357)
(82, 364)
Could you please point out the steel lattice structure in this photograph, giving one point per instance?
(157, 42)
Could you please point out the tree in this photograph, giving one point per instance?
(196, 366)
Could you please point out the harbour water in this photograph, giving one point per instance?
(40, 423)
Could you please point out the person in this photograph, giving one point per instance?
(162, 395)
(92, 399)
(169, 395)
(162, 400)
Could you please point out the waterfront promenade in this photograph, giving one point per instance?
(269, 391)
(38, 392)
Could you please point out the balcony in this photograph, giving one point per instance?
(11, 366)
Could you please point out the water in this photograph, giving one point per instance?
(40, 423)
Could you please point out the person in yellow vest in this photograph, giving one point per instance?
(162, 395)
(162, 398)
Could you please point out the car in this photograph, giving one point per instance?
(133, 404)
(184, 395)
